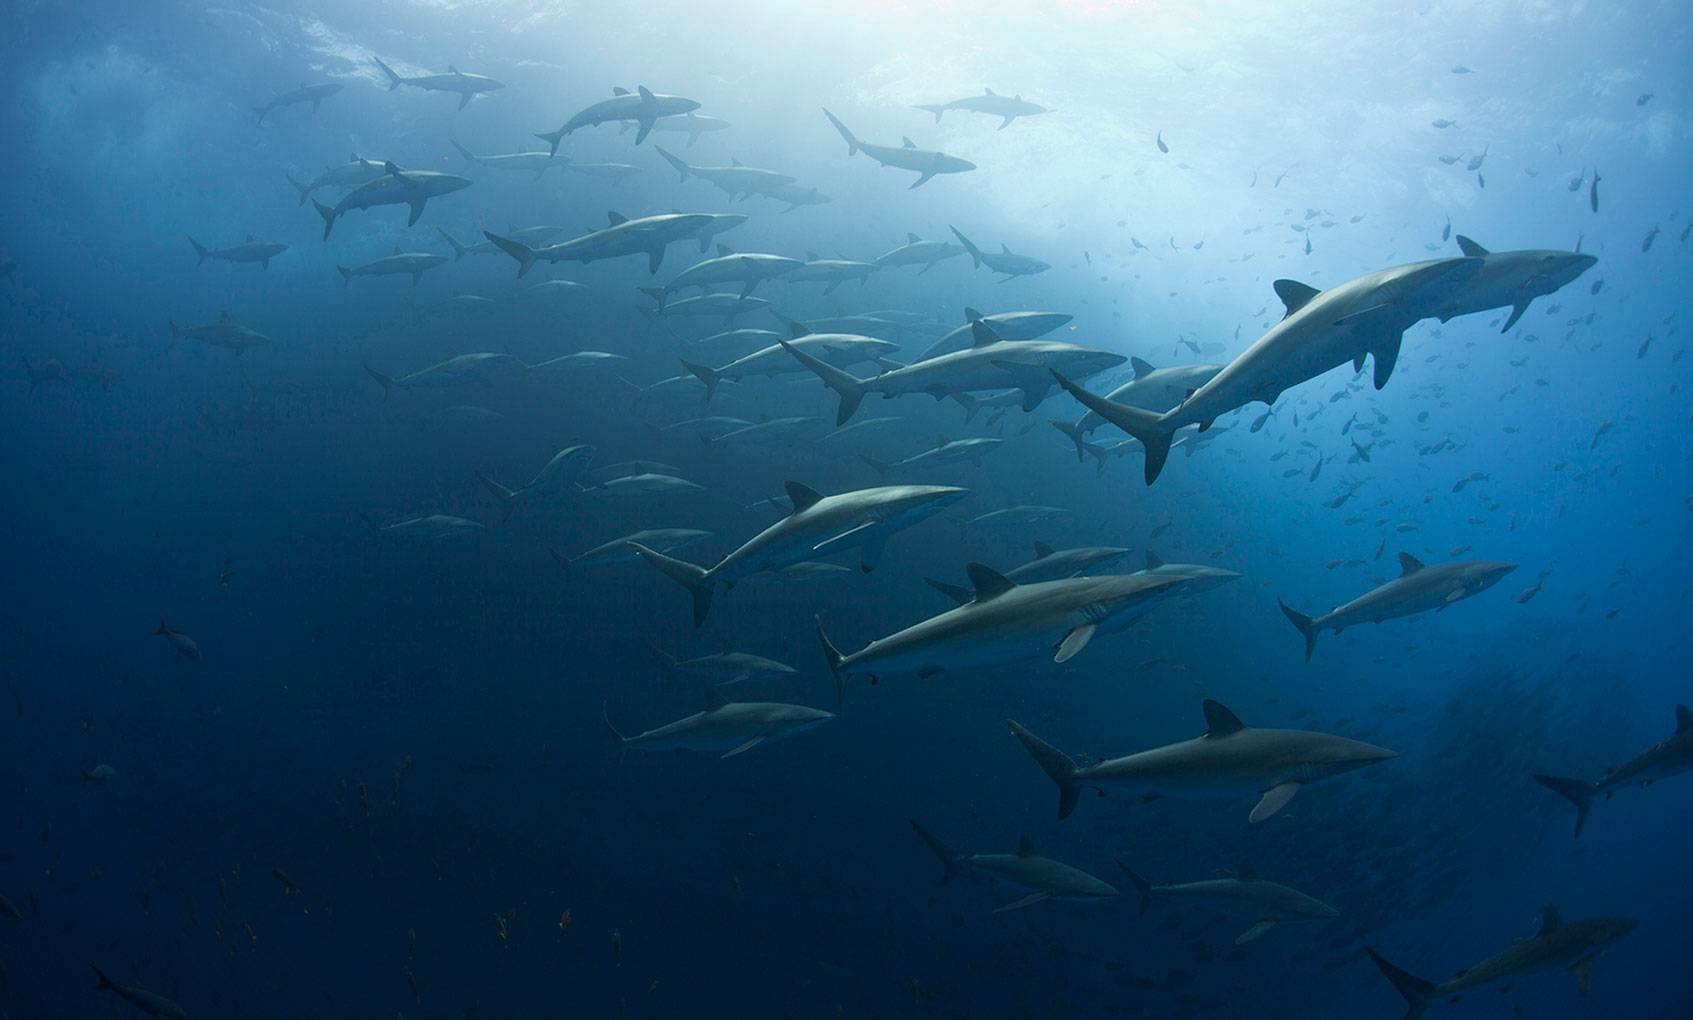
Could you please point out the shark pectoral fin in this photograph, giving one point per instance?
(1516, 313)
(1253, 932)
(1026, 901)
(749, 745)
(646, 129)
(1075, 641)
(919, 182)
(416, 212)
(464, 100)
(1358, 362)
(1584, 976)
(1274, 799)
(844, 538)
(1387, 355)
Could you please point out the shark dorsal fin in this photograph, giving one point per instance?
(616, 219)
(989, 92)
(1004, 249)
(1219, 721)
(811, 256)
(1550, 919)
(453, 70)
(1153, 560)
(1025, 846)
(353, 157)
(723, 250)
(1142, 367)
(982, 334)
(907, 142)
(618, 90)
(646, 93)
(714, 698)
(1470, 248)
(1294, 295)
(396, 249)
(1683, 719)
(1042, 550)
(911, 238)
(797, 329)
(988, 582)
(734, 162)
(804, 497)
(970, 314)
(1408, 564)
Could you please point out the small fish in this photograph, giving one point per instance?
(1446, 233)
(1645, 97)
(1644, 345)
(564, 923)
(1161, 146)
(1593, 191)
(1646, 242)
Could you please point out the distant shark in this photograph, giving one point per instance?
(643, 107)
(991, 103)
(907, 156)
(1042, 878)
(727, 726)
(468, 86)
(395, 187)
(1672, 756)
(313, 94)
(1417, 589)
(1244, 892)
(1004, 261)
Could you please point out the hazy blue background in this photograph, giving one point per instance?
(785, 882)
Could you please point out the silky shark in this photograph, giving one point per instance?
(1243, 892)
(1363, 317)
(351, 174)
(247, 251)
(395, 187)
(832, 272)
(731, 727)
(1004, 623)
(399, 263)
(560, 473)
(485, 369)
(1417, 589)
(1049, 564)
(468, 86)
(918, 252)
(992, 363)
(1512, 279)
(433, 528)
(1009, 108)
(796, 195)
(838, 349)
(1153, 389)
(1558, 945)
(746, 268)
(534, 237)
(648, 235)
(723, 668)
(536, 163)
(1004, 261)
(691, 124)
(1672, 756)
(1040, 878)
(906, 156)
(225, 332)
(945, 451)
(1005, 325)
(722, 304)
(643, 107)
(313, 94)
(819, 525)
(735, 180)
(1230, 759)
(619, 550)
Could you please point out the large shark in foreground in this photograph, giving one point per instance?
(1230, 759)
(1559, 945)
(1417, 589)
(727, 726)
(819, 525)
(1671, 756)
(395, 187)
(907, 156)
(1244, 892)
(1511, 279)
(1041, 878)
(1363, 317)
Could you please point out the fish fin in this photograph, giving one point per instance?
(1142, 886)
(749, 745)
(1253, 932)
(1550, 919)
(714, 698)
(1142, 367)
(688, 575)
(1415, 990)
(1386, 356)
(958, 594)
(870, 553)
(1408, 564)
(1470, 248)
(1294, 295)
(1219, 721)
(1516, 313)
(1683, 719)
(464, 99)
(416, 212)
(803, 496)
(1042, 550)
(988, 582)
(1307, 627)
(920, 181)
(948, 857)
(1153, 560)
(1027, 901)
(1274, 799)
(1055, 763)
(1075, 641)
(1584, 975)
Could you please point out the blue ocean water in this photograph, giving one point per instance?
(384, 784)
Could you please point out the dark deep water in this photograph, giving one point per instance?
(411, 733)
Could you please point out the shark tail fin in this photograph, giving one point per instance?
(328, 215)
(1306, 626)
(305, 191)
(936, 110)
(346, 275)
(552, 139)
(102, 983)
(393, 79)
(975, 252)
(1074, 433)
(851, 139)
(656, 293)
(970, 404)
(199, 249)
(1416, 991)
(387, 381)
(675, 161)
(948, 856)
(506, 497)
(849, 387)
(833, 657)
(1142, 887)
(1151, 429)
(524, 254)
(1578, 791)
(469, 157)
(164, 628)
(704, 374)
(459, 250)
(686, 574)
(1057, 766)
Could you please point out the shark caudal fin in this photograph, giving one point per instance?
(833, 657)
(1306, 625)
(552, 139)
(1578, 791)
(849, 387)
(199, 249)
(1142, 886)
(1416, 991)
(504, 496)
(1073, 432)
(459, 250)
(387, 381)
(394, 80)
(328, 215)
(975, 252)
(936, 110)
(346, 275)
(470, 158)
(851, 139)
(948, 857)
(524, 254)
(1152, 430)
(1056, 764)
(681, 167)
(656, 293)
(686, 574)
(304, 189)
(704, 374)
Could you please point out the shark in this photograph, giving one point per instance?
(818, 525)
(735, 180)
(1039, 878)
(468, 86)
(1154, 389)
(1417, 589)
(1363, 317)
(399, 263)
(460, 370)
(797, 195)
(945, 451)
(395, 187)
(313, 94)
(1229, 759)
(643, 107)
(691, 124)
(906, 156)
(247, 251)
(724, 304)
(991, 363)
(1242, 892)
(1558, 945)
(433, 528)
(536, 163)
(732, 727)
(225, 332)
(746, 268)
(1004, 261)
(648, 235)
(351, 174)
(1512, 279)
(147, 1002)
(918, 252)
(534, 237)
(832, 272)
(723, 668)
(1008, 108)
(1049, 564)
(1005, 325)
(560, 473)
(839, 349)
(618, 550)
(1671, 756)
